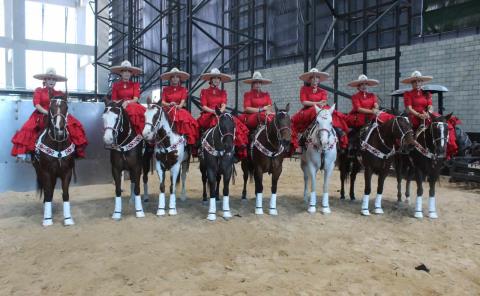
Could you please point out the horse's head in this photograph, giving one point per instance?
(57, 117)
(438, 134)
(153, 118)
(402, 130)
(283, 124)
(226, 129)
(112, 121)
(324, 121)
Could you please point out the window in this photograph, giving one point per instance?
(2, 17)
(3, 81)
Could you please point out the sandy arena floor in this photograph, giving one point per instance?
(293, 254)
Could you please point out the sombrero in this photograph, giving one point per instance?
(125, 66)
(363, 79)
(168, 75)
(50, 74)
(314, 72)
(416, 75)
(257, 77)
(216, 73)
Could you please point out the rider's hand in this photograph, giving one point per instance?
(322, 104)
(423, 116)
(376, 111)
(125, 103)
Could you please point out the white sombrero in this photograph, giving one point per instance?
(363, 79)
(50, 74)
(216, 73)
(125, 66)
(416, 75)
(168, 75)
(257, 77)
(314, 72)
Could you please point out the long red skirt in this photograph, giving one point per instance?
(353, 119)
(208, 120)
(252, 120)
(24, 140)
(183, 123)
(136, 114)
(304, 117)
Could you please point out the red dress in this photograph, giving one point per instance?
(24, 140)
(123, 91)
(255, 99)
(356, 119)
(304, 117)
(420, 100)
(183, 121)
(213, 97)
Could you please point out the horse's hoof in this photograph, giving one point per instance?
(407, 200)
(204, 202)
(273, 212)
(227, 215)
(418, 215)
(212, 217)
(342, 197)
(139, 214)
(365, 212)
(160, 212)
(326, 211)
(146, 199)
(183, 197)
(117, 216)
(312, 209)
(47, 222)
(68, 222)
(172, 212)
(352, 198)
(433, 215)
(259, 211)
(378, 211)
(244, 200)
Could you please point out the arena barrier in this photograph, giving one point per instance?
(94, 169)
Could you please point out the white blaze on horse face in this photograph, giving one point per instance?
(324, 121)
(57, 119)
(148, 131)
(442, 137)
(109, 119)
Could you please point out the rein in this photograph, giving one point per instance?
(210, 148)
(278, 149)
(423, 149)
(162, 147)
(118, 130)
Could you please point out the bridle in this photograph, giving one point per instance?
(329, 132)
(435, 140)
(118, 126)
(223, 135)
(278, 131)
(53, 118)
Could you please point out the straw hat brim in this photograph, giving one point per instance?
(369, 82)
(308, 75)
(223, 77)
(262, 81)
(50, 76)
(168, 75)
(119, 69)
(421, 78)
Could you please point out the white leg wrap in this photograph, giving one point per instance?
(259, 204)
(212, 210)
(67, 216)
(138, 207)
(418, 207)
(172, 206)
(325, 204)
(312, 205)
(273, 205)
(161, 204)
(365, 201)
(145, 192)
(226, 208)
(117, 212)
(378, 205)
(432, 210)
(47, 214)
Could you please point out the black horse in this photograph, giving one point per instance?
(54, 158)
(217, 160)
(426, 160)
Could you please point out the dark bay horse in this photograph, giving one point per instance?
(54, 158)
(126, 153)
(425, 160)
(217, 160)
(170, 153)
(267, 151)
(378, 148)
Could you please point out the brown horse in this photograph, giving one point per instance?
(378, 148)
(427, 159)
(269, 147)
(54, 158)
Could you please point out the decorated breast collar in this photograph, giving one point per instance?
(366, 146)
(171, 148)
(40, 147)
(127, 147)
(256, 143)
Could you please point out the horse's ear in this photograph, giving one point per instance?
(107, 100)
(149, 101)
(332, 109)
(287, 108)
(448, 116)
(317, 109)
(217, 111)
(275, 108)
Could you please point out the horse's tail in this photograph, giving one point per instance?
(39, 187)
(322, 160)
(74, 173)
(234, 174)
(344, 165)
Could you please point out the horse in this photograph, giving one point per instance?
(426, 159)
(377, 151)
(125, 154)
(270, 145)
(349, 163)
(54, 158)
(320, 153)
(170, 154)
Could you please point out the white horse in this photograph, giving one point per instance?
(170, 153)
(320, 153)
